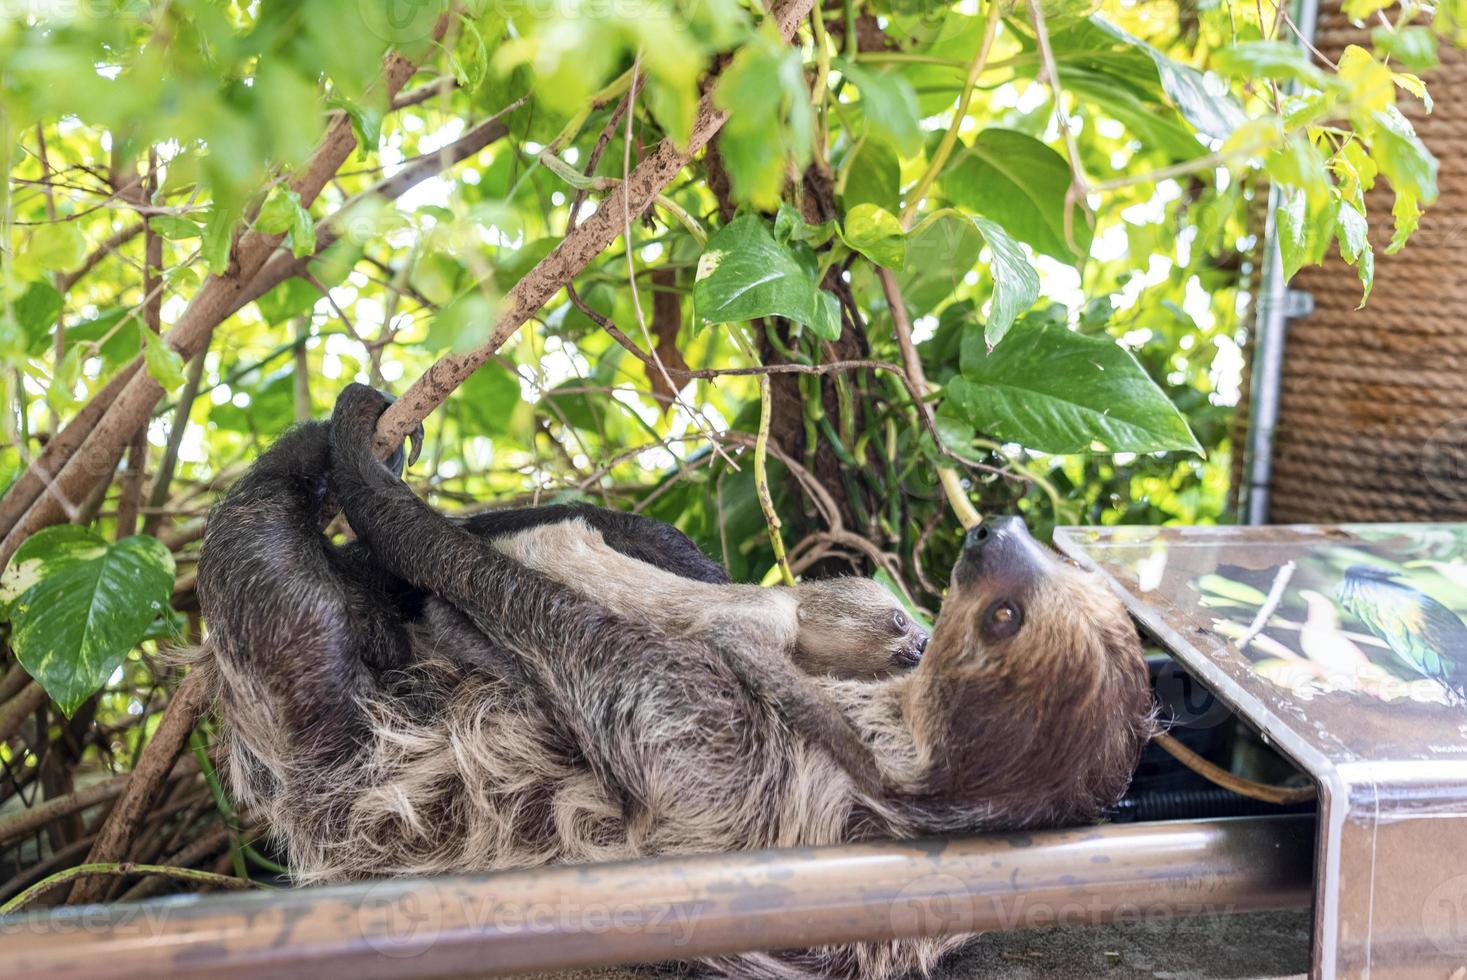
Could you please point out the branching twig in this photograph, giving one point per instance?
(567, 260)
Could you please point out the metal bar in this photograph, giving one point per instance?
(1271, 324)
(679, 908)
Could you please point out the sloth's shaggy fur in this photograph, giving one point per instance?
(603, 738)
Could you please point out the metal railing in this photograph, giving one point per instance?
(685, 907)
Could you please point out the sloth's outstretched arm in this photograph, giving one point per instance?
(296, 623)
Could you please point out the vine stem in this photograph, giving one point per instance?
(761, 482)
(952, 485)
(950, 137)
(118, 870)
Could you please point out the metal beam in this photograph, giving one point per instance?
(683, 907)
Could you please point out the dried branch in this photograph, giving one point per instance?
(147, 779)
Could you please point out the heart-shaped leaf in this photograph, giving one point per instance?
(877, 234)
(77, 604)
(744, 273)
(1057, 391)
(1021, 183)
(1015, 283)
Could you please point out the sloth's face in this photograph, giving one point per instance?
(1029, 638)
(1015, 605)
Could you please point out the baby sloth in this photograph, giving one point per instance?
(841, 627)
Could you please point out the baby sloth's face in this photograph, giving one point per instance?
(854, 627)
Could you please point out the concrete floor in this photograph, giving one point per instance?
(1236, 947)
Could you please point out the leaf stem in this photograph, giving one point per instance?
(761, 482)
(950, 137)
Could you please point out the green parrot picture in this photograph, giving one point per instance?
(1423, 634)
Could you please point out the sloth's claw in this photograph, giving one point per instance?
(415, 444)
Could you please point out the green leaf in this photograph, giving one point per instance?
(282, 214)
(1402, 157)
(77, 604)
(890, 105)
(744, 273)
(1214, 112)
(57, 247)
(769, 119)
(940, 252)
(1354, 237)
(1150, 120)
(469, 61)
(1299, 163)
(1293, 234)
(1408, 216)
(61, 392)
(438, 276)
(1279, 60)
(791, 226)
(36, 312)
(173, 228)
(1414, 47)
(877, 234)
(873, 176)
(489, 398)
(163, 362)
(302, 234)
(366, 121)
(270, 409)
(1020, 183)
(1057, 391)
(278, 212)
(1015, 283)
(218, 236)
(463, 324)
(291, 298)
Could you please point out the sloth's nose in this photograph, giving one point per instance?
(992, 530)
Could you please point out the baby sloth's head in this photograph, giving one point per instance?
(854, 627)
(1033, 691)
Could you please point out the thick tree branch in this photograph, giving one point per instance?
(570, 257)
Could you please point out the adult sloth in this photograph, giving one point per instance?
(608, 740)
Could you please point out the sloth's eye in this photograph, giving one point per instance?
(1002, 620)
(899, 622)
